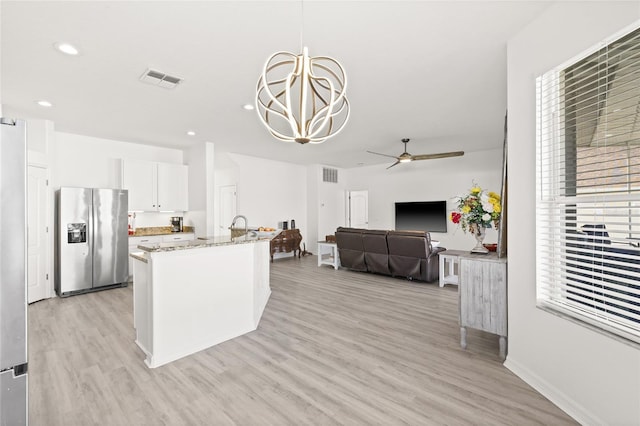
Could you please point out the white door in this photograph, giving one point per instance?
(227, 208)
(359, 209)
(37, 235)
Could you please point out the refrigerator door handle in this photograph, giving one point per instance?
(92, 242)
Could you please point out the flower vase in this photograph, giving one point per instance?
(479, 233)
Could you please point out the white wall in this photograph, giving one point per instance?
(325, 205)
(0, 62)
(331, 203)
(85, 161)
(270, 192)
(200, 159)
(226, 173)
(312, 208)
(593, 377)
(429, 180)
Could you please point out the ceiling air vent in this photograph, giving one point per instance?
(161, 79)
(329, 175)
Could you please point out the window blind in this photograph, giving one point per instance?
(588, 188)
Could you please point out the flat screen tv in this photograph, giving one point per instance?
(428, 216)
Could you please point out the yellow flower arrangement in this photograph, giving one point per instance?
(477, 209)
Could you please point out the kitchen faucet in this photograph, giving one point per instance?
(233, 222)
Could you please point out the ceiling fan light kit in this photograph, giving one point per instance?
(405, 157)
(302, 99)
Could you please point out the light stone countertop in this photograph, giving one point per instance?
(159, 230)
(140, 257)
(202, 242)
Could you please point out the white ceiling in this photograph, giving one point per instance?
(431, 71)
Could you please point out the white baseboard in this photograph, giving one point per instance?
(563, 401)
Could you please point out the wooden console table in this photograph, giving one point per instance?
(483, 296)
(286, 241)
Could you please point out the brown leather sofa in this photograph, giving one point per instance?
(407, 254)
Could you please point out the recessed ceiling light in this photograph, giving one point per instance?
(44, 103)
(67, 48)
(248, 107)
(191, 133)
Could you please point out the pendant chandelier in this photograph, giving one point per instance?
(302, 99)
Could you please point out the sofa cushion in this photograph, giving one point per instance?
(350, 248)
(405, 253)
(376, 253)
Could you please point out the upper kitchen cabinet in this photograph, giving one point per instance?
(155, 186)
(140, 179)
(173, 187)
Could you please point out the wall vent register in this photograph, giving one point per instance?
(329, 175)
(159, 78)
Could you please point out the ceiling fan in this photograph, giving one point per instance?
(405, 157)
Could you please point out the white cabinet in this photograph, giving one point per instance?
(173, 187)
(140, 179)
(178, 237)
(483, 296)
(152, 239)
(156, 186)
(133, 247)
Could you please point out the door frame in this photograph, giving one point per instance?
(49, 215)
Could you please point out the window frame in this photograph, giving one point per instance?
(557, 208)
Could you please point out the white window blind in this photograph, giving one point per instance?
(588, 188)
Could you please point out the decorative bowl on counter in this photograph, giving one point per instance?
(491, 247)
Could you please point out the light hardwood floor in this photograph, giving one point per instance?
(333, 347)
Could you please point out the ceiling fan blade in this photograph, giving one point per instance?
(377, 153)
(440, 155)
(394, 164)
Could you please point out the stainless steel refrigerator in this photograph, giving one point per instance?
(13, 288)
(92, 240)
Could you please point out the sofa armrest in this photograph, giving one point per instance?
(435, 251)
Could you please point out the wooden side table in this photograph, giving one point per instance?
(328, 254)
(450, 267)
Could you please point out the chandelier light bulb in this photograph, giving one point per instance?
(302, 99)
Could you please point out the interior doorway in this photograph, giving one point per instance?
(358, 211)
(38, 282)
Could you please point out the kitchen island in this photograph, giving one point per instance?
(191, 295)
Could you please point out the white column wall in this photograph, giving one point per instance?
(200, 159)
(593, 377)
(312, 208)
(331, 204)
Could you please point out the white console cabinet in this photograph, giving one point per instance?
(155, 186)
(483, 296)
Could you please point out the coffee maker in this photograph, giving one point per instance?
(176, 224)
